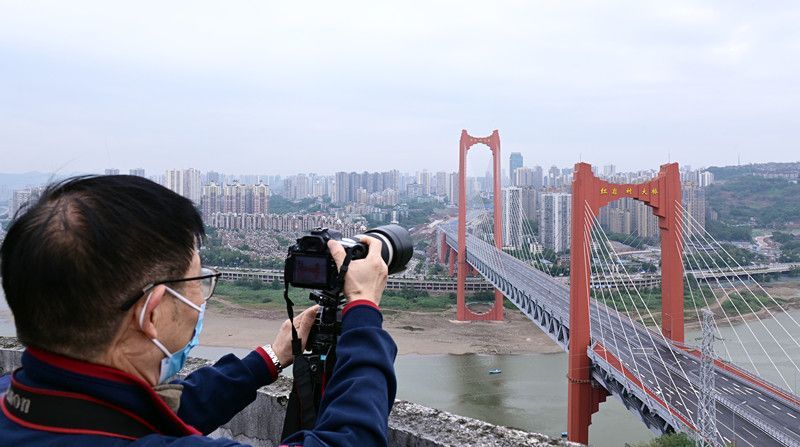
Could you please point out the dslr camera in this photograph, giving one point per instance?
(310, 265)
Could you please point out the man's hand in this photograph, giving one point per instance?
(283, 341)
(365, 278)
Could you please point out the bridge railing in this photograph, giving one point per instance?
(755, 418)
(638, 391)
(736, 372)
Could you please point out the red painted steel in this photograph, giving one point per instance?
(589, 194)
(493, 142)
(443, 248)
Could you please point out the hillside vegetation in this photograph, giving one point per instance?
(756, 202)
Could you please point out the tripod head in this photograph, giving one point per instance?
(327, 326)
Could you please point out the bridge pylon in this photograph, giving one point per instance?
(463, 313)
(589, 194)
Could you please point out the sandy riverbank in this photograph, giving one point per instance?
(228, 324)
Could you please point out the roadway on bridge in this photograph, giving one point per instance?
(664, 371)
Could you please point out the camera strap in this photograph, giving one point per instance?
(74, 413)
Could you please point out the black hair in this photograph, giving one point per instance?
(72, 259)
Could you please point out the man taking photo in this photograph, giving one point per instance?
(104, 279)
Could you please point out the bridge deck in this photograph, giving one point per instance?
(650, 375)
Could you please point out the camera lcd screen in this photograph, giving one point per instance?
(310, 270)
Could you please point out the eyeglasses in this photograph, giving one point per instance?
(208, 282)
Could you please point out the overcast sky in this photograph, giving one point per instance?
(287, 87)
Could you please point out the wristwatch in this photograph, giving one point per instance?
(274, 357)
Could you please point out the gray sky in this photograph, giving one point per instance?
(286, 87)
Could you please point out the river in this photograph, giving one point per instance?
(531, 392)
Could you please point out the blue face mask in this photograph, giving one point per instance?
(173, 362)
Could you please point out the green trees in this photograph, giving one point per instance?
(751, 200)
(670, 440)
(790, 246)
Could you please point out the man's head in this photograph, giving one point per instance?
(74, 263)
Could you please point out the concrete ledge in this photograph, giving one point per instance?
(410, 425)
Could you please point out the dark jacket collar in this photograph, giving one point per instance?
(56, 372)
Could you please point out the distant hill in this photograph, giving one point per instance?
(762, 169)
(16, 181)
(9, 182)
(758, 195)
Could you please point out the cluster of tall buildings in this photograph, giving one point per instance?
(373, 188)
(363, 187)
(544, 199)
(234, 198)
(284, 222)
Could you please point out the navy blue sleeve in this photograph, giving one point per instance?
(5, 382)
(358, 399)
(214, 394)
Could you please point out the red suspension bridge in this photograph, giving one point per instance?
(613, 348)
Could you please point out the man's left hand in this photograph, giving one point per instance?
(283, 341)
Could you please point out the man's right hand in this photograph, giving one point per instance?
(365, 278)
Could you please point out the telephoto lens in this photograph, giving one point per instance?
(397, 248)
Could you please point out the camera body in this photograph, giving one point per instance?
(309, 263)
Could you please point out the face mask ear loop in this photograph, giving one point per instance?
(184, 299)
(161, 346)
(158, 344)
(144, 308)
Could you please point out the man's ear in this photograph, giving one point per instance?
(145, 311)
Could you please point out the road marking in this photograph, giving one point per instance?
(776, 407)
(790, 414)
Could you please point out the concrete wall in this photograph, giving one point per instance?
(410, 425)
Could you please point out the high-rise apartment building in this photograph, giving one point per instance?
(112, 172)
(173, 180)
(424, 181)
(22, 197)
(705, 178)
(530, 203)
(694, 202)
(342, 188)
(514, 163)
(212, 200)
(452, 188)
(235, 198)
(646, 221)
(139, 172)
(512, 217)
(296, 187)
(192, 186)
(261, 194)
(538, 177)
(441, 184)
(523, 177)
(186, 182)
(554, 224)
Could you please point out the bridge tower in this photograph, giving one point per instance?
(493, 142)
(589, 194)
